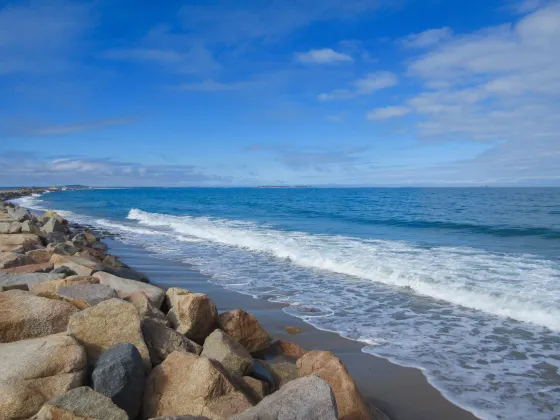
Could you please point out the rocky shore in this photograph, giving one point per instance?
(84, 336)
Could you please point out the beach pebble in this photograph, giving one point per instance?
(194, 315)
(308, 398)
(189, 384)
(24, 315)
(81, 403)
(328, 367)
(162, 341)
(107, 324)
(119, 375)
(232, 356)
(244, 328)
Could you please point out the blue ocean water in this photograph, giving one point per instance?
(462, 283)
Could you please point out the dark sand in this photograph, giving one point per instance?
(403, 393)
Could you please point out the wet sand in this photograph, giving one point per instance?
(403, 393)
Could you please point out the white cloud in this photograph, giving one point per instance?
(365, 86)
(427, 38)
(323, 56)
(387, 112)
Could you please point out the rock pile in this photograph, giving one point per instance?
(82, 335)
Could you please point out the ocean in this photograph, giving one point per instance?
(463, 283)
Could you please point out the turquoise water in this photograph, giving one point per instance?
(462, 283)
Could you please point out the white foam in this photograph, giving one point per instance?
(506, 286)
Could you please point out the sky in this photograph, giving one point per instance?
(280, 92)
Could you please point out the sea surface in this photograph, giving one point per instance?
(461, 283)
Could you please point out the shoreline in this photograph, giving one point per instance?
(381, 382)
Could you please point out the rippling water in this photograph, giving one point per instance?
(462, 283)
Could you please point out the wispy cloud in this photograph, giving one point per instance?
(387, 112)
(427, 38)
(323, 56)
(365, 86)
(64, 129)
(213, 86)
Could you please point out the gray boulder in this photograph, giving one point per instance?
(233, 357)
(64, 271)
(10, 227)
(30, 227)
(53, 225)
(65, 249)
(10, 279)
(81, 239)
(83, 296)
(162, 341)
(307, 398)
(119, 375)
(19, 214)
(125, 273)
(56, 238)
(112, 261)
(262, 373)
(81, 403)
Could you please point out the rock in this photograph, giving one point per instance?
(53, 215)
(187, 384)
(12, 279)
(244, 328)
(81, 404)
(24, 315)
(20, 241)
(30, 227)
(112, 261)
(262, 373)
(293, 330)
(308, 398)
(81, 266)
(56, 238)
(39, 256)
(29, 268)
(180, 418)
(10, 227)
(155, 294)
(119, 375)
(144, 306)
(233, 357)
(286, 348)
(194, 315)
(11, 260)
(328, 367)
(173, 293)
(125, 273)
(375, 413)
(107, 324)
(53, 225)
(50, 288)
(282, 372)
(64, 271)
(83, 296)
(34, 371)
(64, 249)
(100, 246)
(19, 214)
(256, 390)
(90, 254)
(23, 287)
(162, 341)
(81, 239)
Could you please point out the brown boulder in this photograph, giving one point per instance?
(286, 348)
(328, 367)
(172, 294)
(81, 404)
(81, 266)
(194, 315)
(24, 315)
(232, 356)
(107, 324)
(34, 371)
(244, 328)
(256, 390)
(282, 372)
(29, 268)
(11, 260)
(39, 256)
(48, 289)
(187, 384)
(162, 341)
(144, 306)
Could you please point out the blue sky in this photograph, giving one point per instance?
(321, 92)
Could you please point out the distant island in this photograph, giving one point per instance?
(284, 186)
